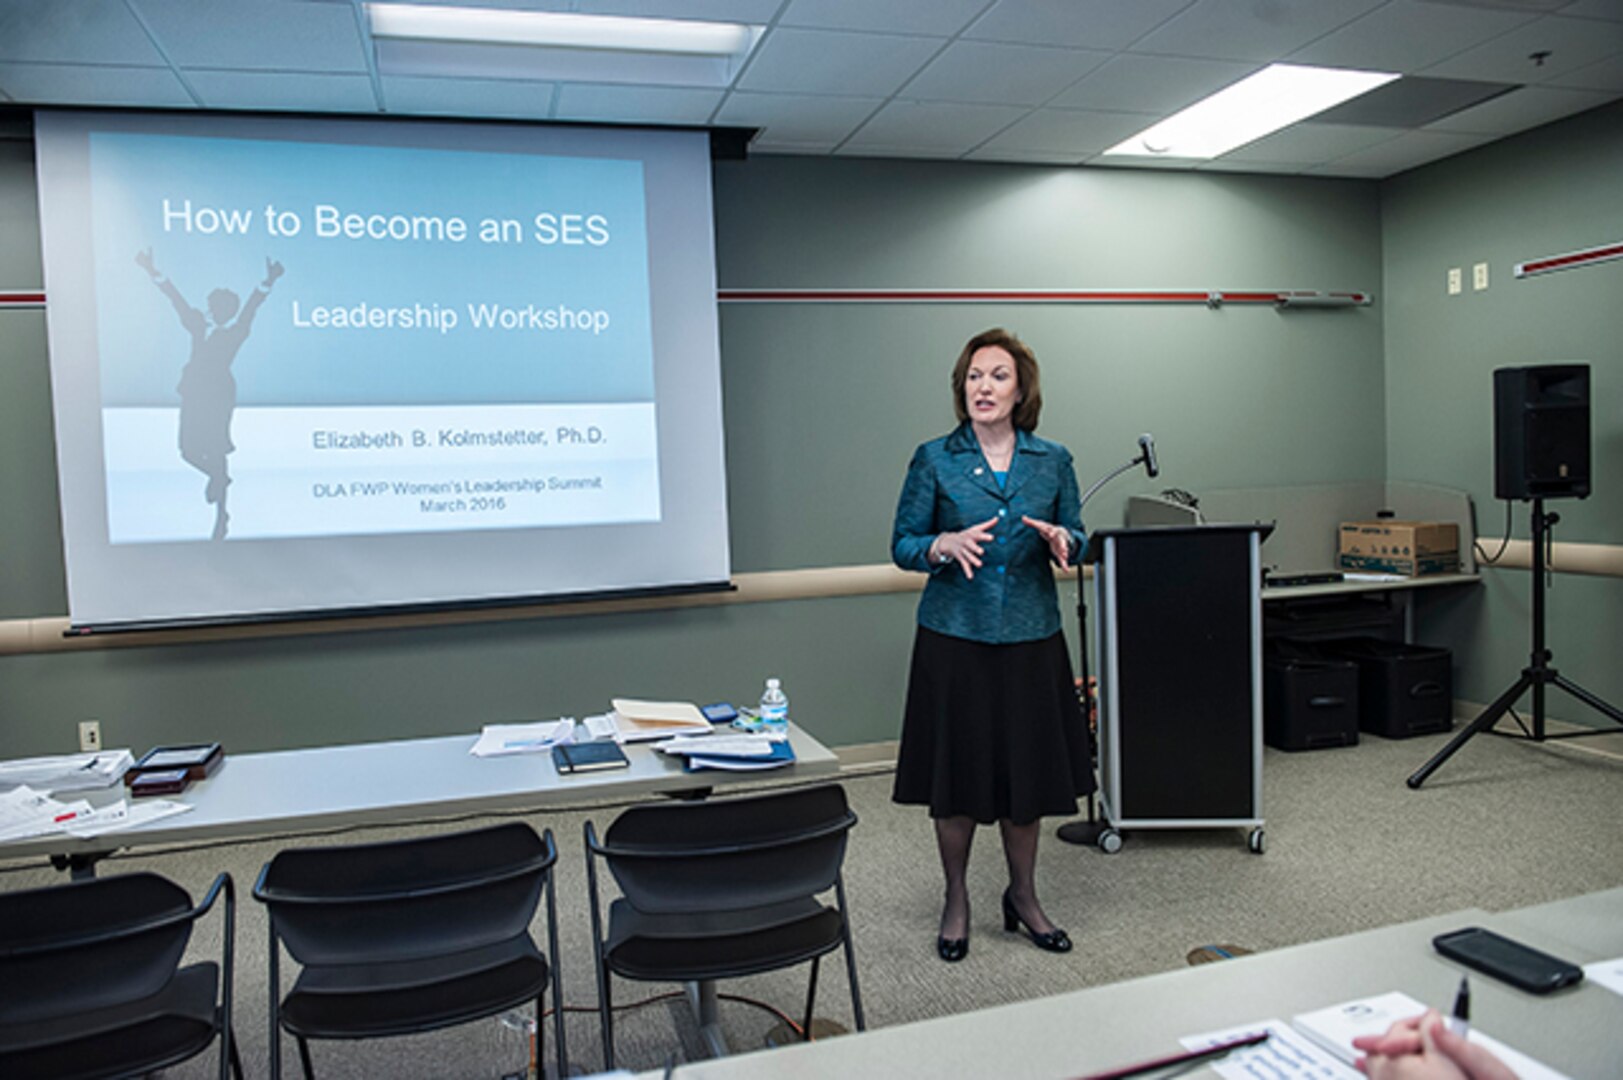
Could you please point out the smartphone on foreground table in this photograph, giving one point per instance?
(1517, 964)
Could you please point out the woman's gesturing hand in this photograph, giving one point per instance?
(1058, 538)
(964, 546)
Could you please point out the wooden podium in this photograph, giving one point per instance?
(1178, 653)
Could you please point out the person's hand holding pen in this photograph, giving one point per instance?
(1426, 1048)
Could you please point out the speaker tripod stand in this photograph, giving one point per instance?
(1536, 676)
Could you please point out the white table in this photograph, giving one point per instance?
(1576, 1030)
(291, 791)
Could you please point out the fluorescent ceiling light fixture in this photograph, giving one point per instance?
(1275, 97)
(613, 33)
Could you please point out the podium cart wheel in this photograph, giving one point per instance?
(1255, 841)
(1110, 841)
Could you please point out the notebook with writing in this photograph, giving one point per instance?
(589, 757)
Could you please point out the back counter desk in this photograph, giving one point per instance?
(252, 796)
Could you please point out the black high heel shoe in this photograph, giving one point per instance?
(955, 949)
(1053, 941)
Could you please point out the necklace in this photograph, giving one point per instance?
(1000, 454)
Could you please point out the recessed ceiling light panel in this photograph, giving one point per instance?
(1275, 97)
(424, 39)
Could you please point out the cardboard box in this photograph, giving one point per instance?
(1410, 548)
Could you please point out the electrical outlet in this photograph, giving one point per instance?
(1479, 276)
(89, 735)
(1456, 281)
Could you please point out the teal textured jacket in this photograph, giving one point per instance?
(950, 486)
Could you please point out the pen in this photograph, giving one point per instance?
(1460, 1021)
(1188, 1057)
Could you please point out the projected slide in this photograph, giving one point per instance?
(317, 364)
(307, 339)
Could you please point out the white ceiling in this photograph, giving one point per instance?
(1047, 81)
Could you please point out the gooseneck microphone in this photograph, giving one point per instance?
(1146, 457)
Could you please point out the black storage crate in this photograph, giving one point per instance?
(1309, 704)
(1403, 689)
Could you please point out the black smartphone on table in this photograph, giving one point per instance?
(1517, 964)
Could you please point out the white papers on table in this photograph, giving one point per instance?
(1335, 1028)
(497, 740)
(1607, 973)
(66, 772)
(25, 812)
(1318, 1044)
(738, 753)
(1286, 1054)
(1352, 576)
(739, 746)
(601, 726)
(123, 815)
(637, 721)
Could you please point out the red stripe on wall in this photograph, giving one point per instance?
(1604, 253)
(1014, 296)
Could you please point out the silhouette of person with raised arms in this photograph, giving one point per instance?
(208, 390)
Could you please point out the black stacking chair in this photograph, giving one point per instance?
(722, 889)
(91, 984)
(410, 936)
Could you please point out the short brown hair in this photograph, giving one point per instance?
(1030, 405)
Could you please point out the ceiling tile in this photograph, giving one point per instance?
(1343, 171)
(880, 150)
(994, 74)
(796, 118)
(1595, 9)
(74, 32)
(1151, 84)
(1277, 168)
(288, 35)
(636, 104)
(1408, 150)
(1262, 31)
(79, 84)
(928, 126)
(1572, 44)
(825, 62)
(1408, 35)
(1021, 157)
(1094, 24)
(789, 146)
(1066, 131)
(1603, 75)
(943, 18)
(283, 91)
(1519, 110)
(1308, 143)
(504, 98)
(1411, 102)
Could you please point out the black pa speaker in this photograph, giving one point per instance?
(1541, 432)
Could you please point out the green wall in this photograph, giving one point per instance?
(823, 403)
(1551, 191)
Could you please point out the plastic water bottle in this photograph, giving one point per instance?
(774, 708)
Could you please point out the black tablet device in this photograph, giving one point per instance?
(1517, 964)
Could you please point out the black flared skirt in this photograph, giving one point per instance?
(992, 732)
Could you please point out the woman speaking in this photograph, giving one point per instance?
(992, 729)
